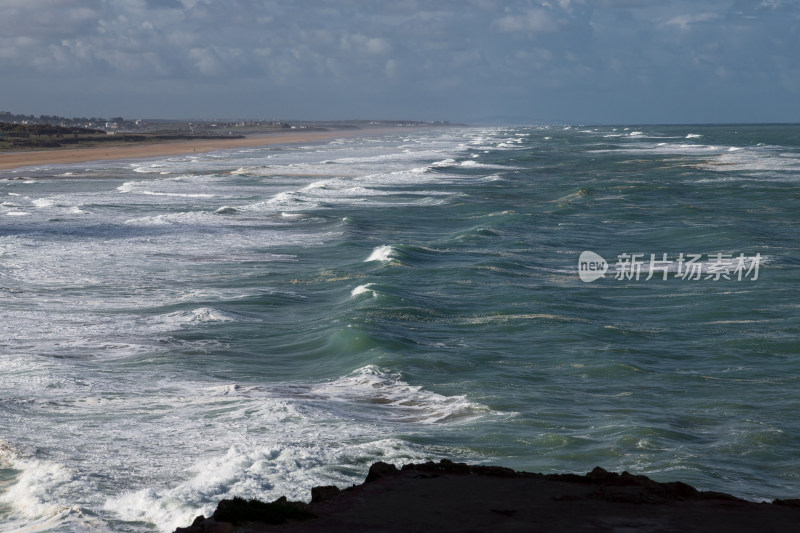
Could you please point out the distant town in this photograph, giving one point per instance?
(29, 132)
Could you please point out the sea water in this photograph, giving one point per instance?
(258, 321)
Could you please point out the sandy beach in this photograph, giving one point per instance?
(14, 160)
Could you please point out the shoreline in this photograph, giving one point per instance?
(34, 158)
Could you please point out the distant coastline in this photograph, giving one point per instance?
(143, 150)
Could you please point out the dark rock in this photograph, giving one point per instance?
(319, 494)
(206, 526)
(239, 510)
(379, 470)
(794, 502)
(455, 497)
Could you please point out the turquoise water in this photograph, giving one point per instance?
(256, 322)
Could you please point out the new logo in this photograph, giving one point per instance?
(591, 266)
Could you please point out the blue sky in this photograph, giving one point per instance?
(565, 61)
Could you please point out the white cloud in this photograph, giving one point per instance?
(533, 20)
(684, 21)
(362, 43)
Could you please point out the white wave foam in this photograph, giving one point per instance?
(264, 472)
(32, 497)
(761, 162)
(178, 219)
(199, 315)
(664, 148)
(154, 168)
(361, 289)
(400, 401)
(380, 253)
(128, 186)
(286, 198)
(178, 194)
(42, 202)
(693, 136)
(474, 164)
(174, 187)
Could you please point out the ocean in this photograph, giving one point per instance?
(258, 321)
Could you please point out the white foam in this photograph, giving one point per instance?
(362, 289)
(128, 186)
(400, 401)
(34, 497)
(380, 253)
(760, 162)
(664, 148)
(183, 218)
(42, 202)
(302, 434)
(693, 136)
(198, 316)
(253, 471)
(177, 194)
(475, 164)
(204, 314)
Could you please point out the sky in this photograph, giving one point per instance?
(555, 61)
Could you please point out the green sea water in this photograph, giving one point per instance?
(256, 322)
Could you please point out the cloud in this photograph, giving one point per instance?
(44, 19)
(362, 43)
(433, 56)
(164, 4)
(684, 21)
(533, 20)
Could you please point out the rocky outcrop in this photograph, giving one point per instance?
(240, 512)
(448, 496)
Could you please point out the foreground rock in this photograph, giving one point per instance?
(449, 496)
